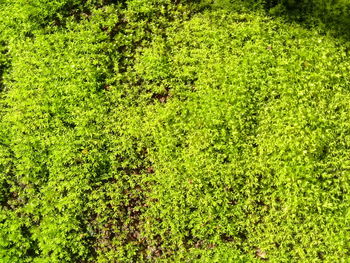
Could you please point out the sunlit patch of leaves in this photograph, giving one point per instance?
(170, 131)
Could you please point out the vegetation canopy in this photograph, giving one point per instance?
(174, 131)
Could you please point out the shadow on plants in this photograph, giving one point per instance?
(329, 16)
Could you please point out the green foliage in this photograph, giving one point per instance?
(170, 131)
(254, 148)
(332, 15)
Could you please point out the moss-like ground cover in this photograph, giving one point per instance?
(174, 131)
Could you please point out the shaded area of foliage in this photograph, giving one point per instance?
(172, 131)
(333, 16)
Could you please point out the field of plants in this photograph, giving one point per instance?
(174, 131)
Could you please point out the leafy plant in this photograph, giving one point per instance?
(171, 131)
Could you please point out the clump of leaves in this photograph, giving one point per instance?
(162, 131)
(246, 148)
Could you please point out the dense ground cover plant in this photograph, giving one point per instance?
(332, 15)
(171, 131)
